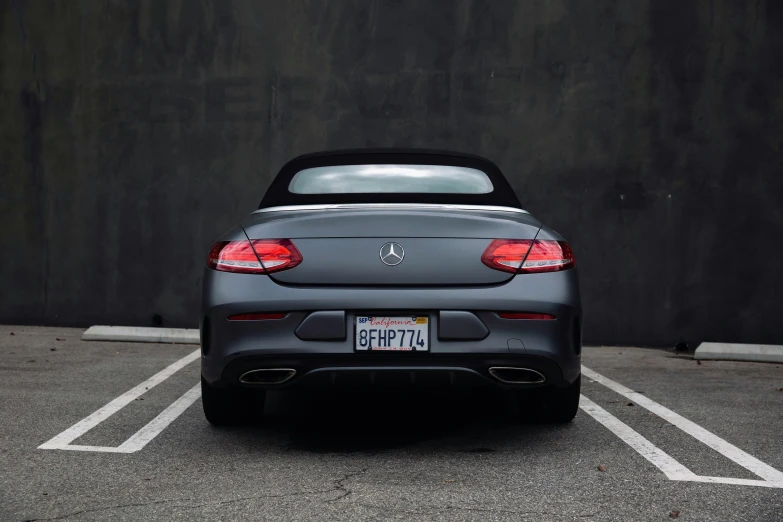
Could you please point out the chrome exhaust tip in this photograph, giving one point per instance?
(268, 376)
(510, 375)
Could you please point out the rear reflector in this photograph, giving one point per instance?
(526, 315)
(527, 256)
(256, 316)
(257, 256)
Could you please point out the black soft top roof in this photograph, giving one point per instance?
(278, 193)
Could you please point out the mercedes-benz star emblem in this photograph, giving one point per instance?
(392, 254)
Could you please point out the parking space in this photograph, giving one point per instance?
(114, 431)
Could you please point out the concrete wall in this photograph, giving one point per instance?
(649, 132)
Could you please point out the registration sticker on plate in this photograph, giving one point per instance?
(382, 333)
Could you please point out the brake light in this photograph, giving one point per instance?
(276, 254)
(506, 254)
(548, 256)
(257, 256)
(234, 256)
(256, 316)
(527, 256)
(526, 315)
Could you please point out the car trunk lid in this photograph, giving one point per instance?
(385, 247)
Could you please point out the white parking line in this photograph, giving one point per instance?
(142, 437)
(663, 461)
(63, 440)
(667, 464)
(673, 469)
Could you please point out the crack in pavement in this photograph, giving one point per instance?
(255, 497)
(105, 508)
(440, 509)
(339, 485)
(522, 513)
(184, 499)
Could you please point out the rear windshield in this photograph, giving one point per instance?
(389, 176)
(390, 179)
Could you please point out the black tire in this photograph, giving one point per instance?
(553, 405)
(225, 407)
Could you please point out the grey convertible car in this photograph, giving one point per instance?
(372, 266)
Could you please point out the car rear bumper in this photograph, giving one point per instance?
(551, 347)
(380, 369)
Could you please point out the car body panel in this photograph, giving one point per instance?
(378, 221)
(341, 247)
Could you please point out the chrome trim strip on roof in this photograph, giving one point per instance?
(391, 206)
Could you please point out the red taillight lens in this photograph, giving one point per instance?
(276, 254)
(256, 316)
(528, 256)
(234, 256)
(257, 256)
(506, 254)
(526, 315)
(548, 256)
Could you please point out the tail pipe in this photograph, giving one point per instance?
(267, 376)
(511, 375)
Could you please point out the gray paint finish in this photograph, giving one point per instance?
(429, 261)
(253, 344)
(458, 325)
(325, 325)
(404, 220)
(649, 133)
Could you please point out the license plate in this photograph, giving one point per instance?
(394, 334)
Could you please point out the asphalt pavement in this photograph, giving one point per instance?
(695, 442)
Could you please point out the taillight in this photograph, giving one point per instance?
(506, 254)
(276, 254)
(234, 256)
(526, 316)
(548, 256)
(257, 256)
(525, 256)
